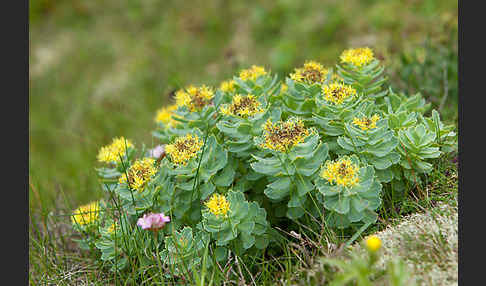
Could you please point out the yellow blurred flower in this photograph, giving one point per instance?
(227, 86)
(184, 148)
(139, 173)
(242, 106)
(194, 98)
(337, 92)
(358, 57)
(366, 123)
(113, 152)
(86, 214)
(114, 226)
(373, 243)
(312, 72)
(342, 172)
(283, 135)
(252, 73)
(165, 115)
(218, 205)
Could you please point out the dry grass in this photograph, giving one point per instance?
(427, 243)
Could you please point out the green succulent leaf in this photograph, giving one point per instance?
(267, 166)
(308, 166)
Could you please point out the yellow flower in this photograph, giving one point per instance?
(366, 123)
(227, 86)
(184, 148)
(282, 136)
(373, 243)
(343, 172)
(194, 98)
(112, 227)
(113, 152)
(284, 88)
(358, 57)
(182, 98)
(252, 73)
(242, 106)
(218, 205)
(312, 72)
(165, 115)
(86, 214)
(337, 92)
(182, 242)
(139, 173)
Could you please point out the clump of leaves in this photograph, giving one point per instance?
(259, 153)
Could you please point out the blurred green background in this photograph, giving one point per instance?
(100, 69)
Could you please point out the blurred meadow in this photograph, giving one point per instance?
(101, 69)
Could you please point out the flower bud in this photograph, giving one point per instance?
(153, 221)
(373, 243)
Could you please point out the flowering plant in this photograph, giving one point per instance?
(235, 161)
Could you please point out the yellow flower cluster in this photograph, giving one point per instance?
(184, 148)
(358, 57)
(113, 152)
(86, 214)
(242, 106)
(337, 92)
(165, 115)
(343, 172)
(252, 73)
(218, 205)
(194, 98)
(312, 72)
(227, 86)
(282, 136)
(284, 88)
(112, 227)
(139, 173)
(366, 123)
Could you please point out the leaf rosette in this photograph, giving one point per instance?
(370, 138)
(331, 117)
(354, 193)
(417, 144)
(242, 222)
(241, 130)
(359, 68)
(257, 81)
(186, 118)
(196, 178)
(290, 173)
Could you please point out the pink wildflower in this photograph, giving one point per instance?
(157, 151)
(153, 221)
